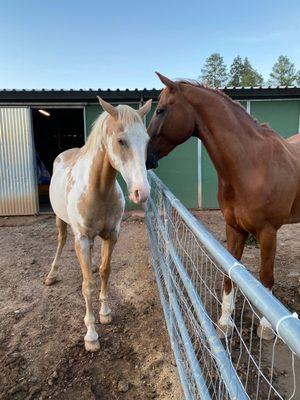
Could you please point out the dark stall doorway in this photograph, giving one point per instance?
(55, 130)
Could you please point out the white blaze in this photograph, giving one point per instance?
(132, 169)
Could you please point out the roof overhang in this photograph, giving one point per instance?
(136, 95)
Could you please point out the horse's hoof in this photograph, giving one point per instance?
(224, 331)
(92, 346)
(265, 333)
(50, 281)
(95, 268)
(105, 319)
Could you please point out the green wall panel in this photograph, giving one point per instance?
(282, 116)
(209, 178)
(179, 171)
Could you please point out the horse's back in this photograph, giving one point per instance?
(294, 139)
(58, 184)
(294, 147)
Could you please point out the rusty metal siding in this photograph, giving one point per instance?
(18, 193)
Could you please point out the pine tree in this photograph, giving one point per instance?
(298, 78)
(243, 74)
(250, 76)
(214, 71)
(236, 72)
(283, 72)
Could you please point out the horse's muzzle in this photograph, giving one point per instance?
(139, 196)
(152, 161)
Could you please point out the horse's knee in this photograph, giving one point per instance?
(88, 287)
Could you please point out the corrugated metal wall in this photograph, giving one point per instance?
(17, 173)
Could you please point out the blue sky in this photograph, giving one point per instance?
(119, 44)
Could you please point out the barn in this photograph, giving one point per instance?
(36, 125)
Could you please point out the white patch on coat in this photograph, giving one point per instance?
(264, 323)
(80, 175)
(227, 309)
(57, 191)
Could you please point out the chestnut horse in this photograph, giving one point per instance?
(84, 193)
(258, 171)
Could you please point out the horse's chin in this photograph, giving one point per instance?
(135, 201)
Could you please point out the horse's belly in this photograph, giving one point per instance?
(57, 194)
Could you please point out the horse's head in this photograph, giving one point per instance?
(173, 122)
(126, 144)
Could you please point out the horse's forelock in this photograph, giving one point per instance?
(126, 116)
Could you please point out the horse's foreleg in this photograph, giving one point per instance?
(267, 240)
(235, 243)
(61, 241)
(105, 268)
(94, 261)
(83, 251)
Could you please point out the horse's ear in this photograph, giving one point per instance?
(108, 107)
(143, 111)
(166, 81)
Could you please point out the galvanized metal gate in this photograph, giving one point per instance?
(189, 266)
(18, 192)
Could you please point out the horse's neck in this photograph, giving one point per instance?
(231, 138)
(101, 176)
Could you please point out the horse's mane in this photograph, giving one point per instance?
(219, 92)
(126, 115)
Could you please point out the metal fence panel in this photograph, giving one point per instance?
(189, 266)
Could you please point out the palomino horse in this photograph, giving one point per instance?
(84, 193)
(258, 171)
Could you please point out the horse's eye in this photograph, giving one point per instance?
(122, 142)
(159, 111)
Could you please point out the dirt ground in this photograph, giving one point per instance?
(41, 328)
(42, 352)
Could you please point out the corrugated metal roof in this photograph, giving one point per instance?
(139, 90)
(29, 96)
